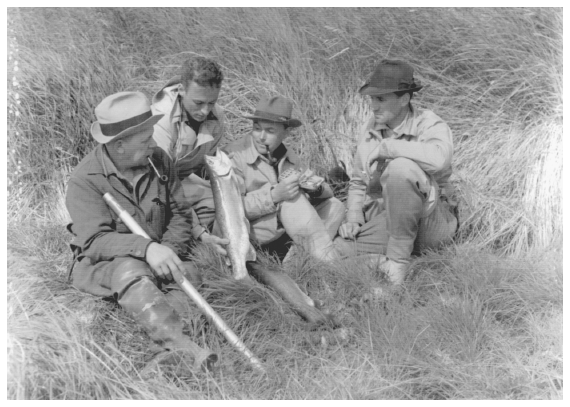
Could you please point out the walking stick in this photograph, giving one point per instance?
(187, 287)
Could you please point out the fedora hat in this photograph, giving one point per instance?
(391, 76)
(276, 109)
(122, 114)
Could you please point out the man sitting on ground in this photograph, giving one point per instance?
(192, 126)
(399, 205)
(261, 163)
(109, 260)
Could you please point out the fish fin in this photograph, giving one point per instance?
(251, 254)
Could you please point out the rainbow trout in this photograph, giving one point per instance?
(230, 214)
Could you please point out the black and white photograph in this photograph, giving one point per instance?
(294, 202)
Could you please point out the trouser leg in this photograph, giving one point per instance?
(132, 284)
(405, 189)
(178, 299)
(332, 213)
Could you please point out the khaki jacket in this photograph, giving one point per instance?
(422, 137)
(256, 177)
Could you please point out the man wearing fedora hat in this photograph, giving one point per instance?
(109, 260)
(396, 203)
(262, 164)
(192, 126)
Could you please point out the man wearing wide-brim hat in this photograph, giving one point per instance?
(396, 200)
(269, 174)
(110, 261)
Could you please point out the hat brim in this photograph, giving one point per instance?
(286, 122)
(372, 91)
(103, 139)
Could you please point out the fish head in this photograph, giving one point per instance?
(219, 165)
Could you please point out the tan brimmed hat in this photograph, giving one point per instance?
(276, 109)
(391, 76)
(122, 114)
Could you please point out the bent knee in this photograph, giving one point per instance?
(127, 271)
(403, 170)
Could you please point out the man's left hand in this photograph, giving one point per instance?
(217, 242)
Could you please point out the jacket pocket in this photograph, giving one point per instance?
(158, 216)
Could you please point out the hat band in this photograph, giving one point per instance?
(270, 116)
(112, 129)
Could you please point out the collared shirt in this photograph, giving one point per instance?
(256, 176)
(176, 136)
(422, 137)
(158, 207)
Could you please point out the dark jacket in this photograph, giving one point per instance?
(158, 207)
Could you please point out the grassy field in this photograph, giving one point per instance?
(479, 319)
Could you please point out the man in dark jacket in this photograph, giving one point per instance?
(110, 261)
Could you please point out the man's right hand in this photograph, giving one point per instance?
(163, 260)
(349, 230)
(286, 190)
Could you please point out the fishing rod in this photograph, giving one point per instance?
(187, 287)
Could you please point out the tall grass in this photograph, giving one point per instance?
(493, 74)
(480, 320)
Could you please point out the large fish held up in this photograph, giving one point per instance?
(233, 225)
(230, 214)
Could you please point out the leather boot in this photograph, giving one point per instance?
(149, 307)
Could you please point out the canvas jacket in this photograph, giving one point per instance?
(159, 208)
(256, 176)
(422, 137)
(173, 135)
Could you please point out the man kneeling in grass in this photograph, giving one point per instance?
(110, 261)
(269, 175)
(398, 205)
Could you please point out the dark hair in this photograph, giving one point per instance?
(203, 71)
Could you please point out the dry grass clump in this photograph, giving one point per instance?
(471, 323)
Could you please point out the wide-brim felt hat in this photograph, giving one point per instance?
(122, 114)
(391, 76)
(275, 109)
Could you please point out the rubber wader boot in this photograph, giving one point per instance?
(149, 307)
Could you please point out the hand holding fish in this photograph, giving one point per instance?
(216, 242)
(162, 260)
(286, 189)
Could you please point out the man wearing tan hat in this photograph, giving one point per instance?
(109, 260)
(396, 201)
(192, 126)
(269, 174)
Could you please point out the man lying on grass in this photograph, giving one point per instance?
(396, 199)
(268, 175)
(110, 261)
(192, 126)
